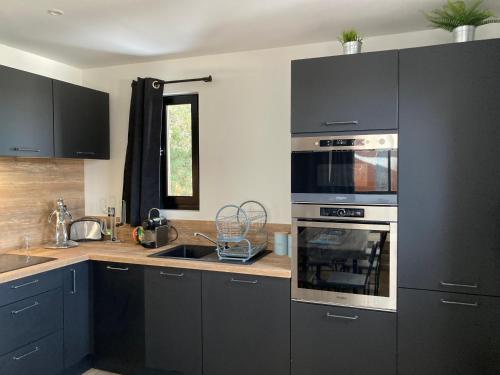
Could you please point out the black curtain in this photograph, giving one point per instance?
(141, 180)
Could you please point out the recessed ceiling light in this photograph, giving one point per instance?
(55, 12)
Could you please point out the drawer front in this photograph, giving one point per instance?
(17, 290)
(448, 333)
(42, 357)
(30, 319)
(338, 340)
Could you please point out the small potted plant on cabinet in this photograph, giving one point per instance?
(351, 41)
(461, 18)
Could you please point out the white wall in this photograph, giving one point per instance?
(30, 62)
(244, 121)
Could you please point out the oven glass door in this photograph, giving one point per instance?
(345, 172)
(350, 264)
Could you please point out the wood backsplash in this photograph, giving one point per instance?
(29, 189)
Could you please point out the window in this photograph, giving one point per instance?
(180, 154)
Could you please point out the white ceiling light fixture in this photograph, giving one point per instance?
(55, 12)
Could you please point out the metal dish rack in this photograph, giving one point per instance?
(240, 231)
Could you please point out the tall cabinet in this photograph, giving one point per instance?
(449, 184)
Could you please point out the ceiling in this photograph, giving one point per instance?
(108, 32)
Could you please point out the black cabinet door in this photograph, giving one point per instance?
(173, 321)
(343, 341)
(449, 177)
(448, 333)
(76, 313)
(26, 127)
(345, 93)
(246, 325)
(81, 122)
(118, 317)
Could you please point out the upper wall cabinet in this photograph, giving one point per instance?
(345, 93)
(449, 176)
(81, 122)
(26, 127)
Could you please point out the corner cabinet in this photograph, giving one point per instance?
(345, 93)
(26, 127)
(81, 122)
(246, 324)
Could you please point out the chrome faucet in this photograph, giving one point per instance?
(198, 234)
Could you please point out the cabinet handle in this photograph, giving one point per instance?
(473, 286)
(26, 149)
(25, 284)
(73, 289)
(172, 274)
(333, 123)
(447, 302)
(26, 354)
(15, 312)
(355, 317)
(116, 268)
(84, 152)
(233, 280)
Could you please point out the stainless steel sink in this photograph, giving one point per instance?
(11, 262)
(187, 252)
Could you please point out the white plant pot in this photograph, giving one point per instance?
(464, 33)
(351, 48)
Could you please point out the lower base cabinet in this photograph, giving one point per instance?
(448, 333)
(342, 341)
(42, 357)
(118, 317)
(246, 324)
(173, 321)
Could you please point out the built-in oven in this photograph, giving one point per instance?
(355, 169)
(345, 255)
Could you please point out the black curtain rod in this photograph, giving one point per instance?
(204, 79)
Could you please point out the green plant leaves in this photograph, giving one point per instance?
(460, 13)
(350, 36)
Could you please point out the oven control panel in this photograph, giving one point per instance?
(341, 212)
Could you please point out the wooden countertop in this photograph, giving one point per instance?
(126, 252)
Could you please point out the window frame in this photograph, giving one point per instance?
(170, 202)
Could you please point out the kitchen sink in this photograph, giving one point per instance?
(186, 252)
(11, 262)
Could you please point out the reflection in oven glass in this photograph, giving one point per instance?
(344, 260)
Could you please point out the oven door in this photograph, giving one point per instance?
(349, 264)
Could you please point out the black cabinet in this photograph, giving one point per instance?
(76, 313)
(343, 341)
(81, 122)
(449, 176)
(118, 317)
(345, 93)
(448, 333)
(246, 324)
(173, 321)
(26, 127)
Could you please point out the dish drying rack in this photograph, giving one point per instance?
(240, 231)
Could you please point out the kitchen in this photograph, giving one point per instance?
(385, 147)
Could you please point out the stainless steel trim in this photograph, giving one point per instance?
(387, 217)
(26, 149)
(352, 199)
(330, 123)
(321, 224)
(15, 312)
(25, 284)
(355, 317)
(73, 288)
(467, 304)
(116, 268)
(372, 213)
(26, 354)
(472, 286)
(233, 280)
(171, 274)
(367, 142)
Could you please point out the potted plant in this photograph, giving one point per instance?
(351, 41)
(461, 18)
